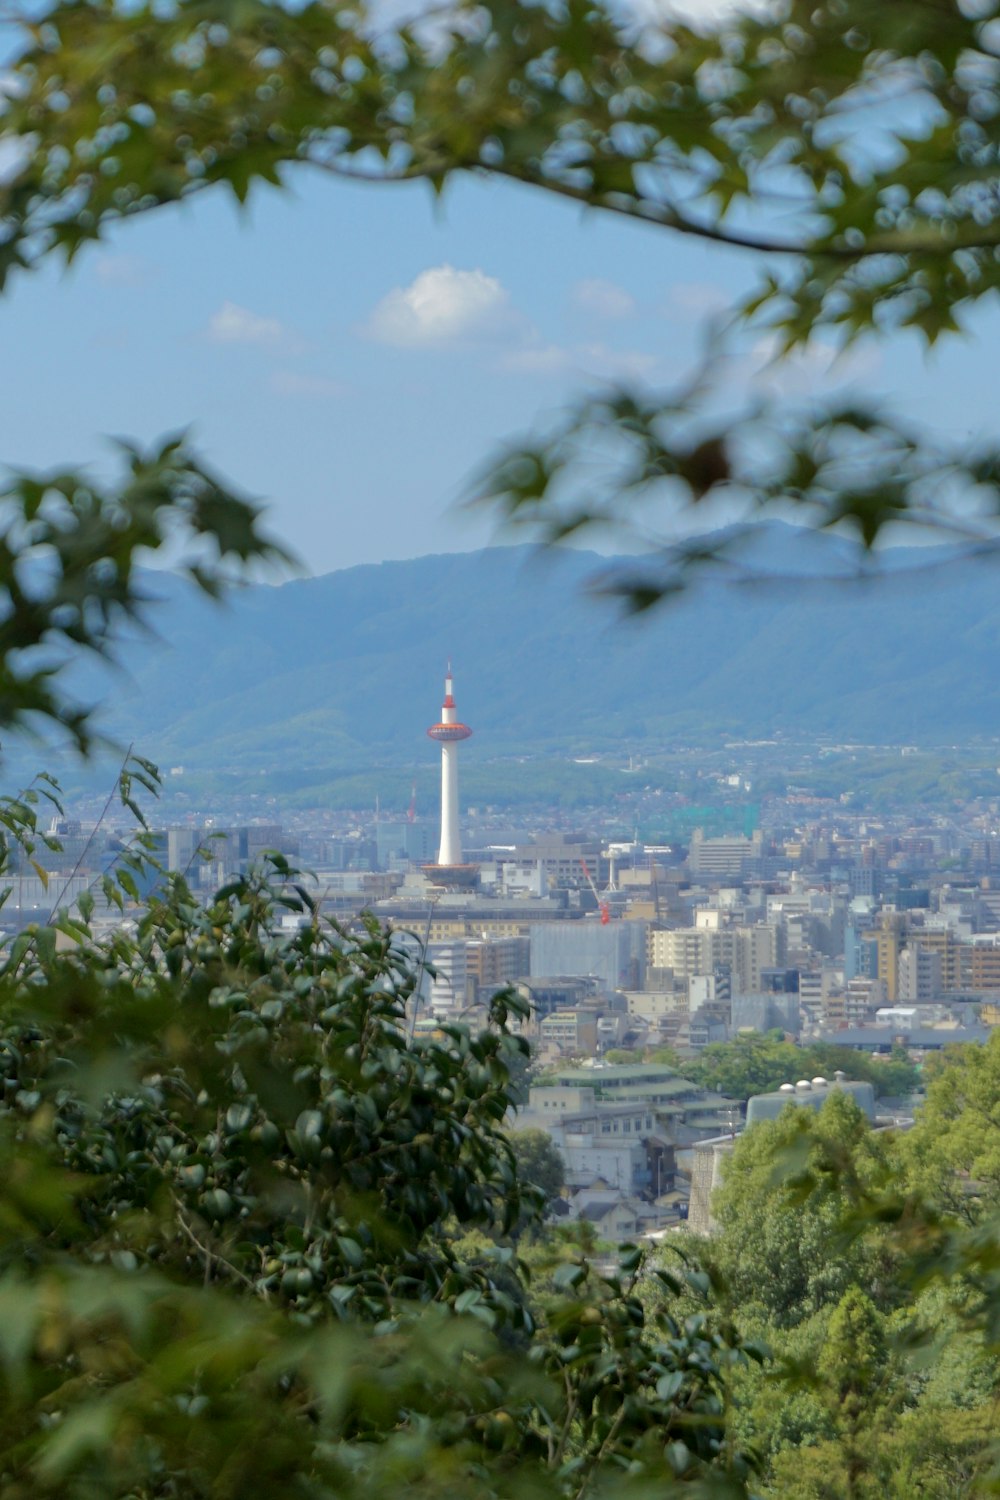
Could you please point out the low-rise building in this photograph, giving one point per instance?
(572, 1033)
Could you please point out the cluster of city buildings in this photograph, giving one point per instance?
(824, 928)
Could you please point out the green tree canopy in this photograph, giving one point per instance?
(952, 1154)
(294, 1142)
(873, 1306)
(759, 1063)
(71, 549)
(231, 1211)
(753, 1063)
(854, 1359)
(538, 1161)
(784, 1246)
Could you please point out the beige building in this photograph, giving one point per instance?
(493, 962)
(954, 956)
(570, 1032)
(984, 966)
(854, 1004)
(889, 939)
(690, 951)
(654, 1006)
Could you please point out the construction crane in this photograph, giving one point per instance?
(602, 906)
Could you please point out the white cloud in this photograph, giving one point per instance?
(603, 298)
(291, 383)
(237, 325)
(442, 306)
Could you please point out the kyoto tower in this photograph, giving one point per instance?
(449, 731)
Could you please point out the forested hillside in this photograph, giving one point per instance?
(344, 668)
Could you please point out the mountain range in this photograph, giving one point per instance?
(345, 670)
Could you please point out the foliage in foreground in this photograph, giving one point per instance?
(233, 1194)
(254, 1235)
(841, 1248)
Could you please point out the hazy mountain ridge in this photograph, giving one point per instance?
(346, 668)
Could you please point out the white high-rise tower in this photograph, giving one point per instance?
(449, 731)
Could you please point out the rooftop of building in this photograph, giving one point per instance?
(617, 1075)
(810, 1093)
(923, 1038)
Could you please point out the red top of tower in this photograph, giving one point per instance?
(449, 728)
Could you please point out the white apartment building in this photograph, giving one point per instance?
(724, 856)
(448, 988)
(654, 1006)
(919, 972)
(690, 951)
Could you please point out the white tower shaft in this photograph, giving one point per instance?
(450, 731)
(450, 852)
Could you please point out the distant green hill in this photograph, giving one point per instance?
(339, 672)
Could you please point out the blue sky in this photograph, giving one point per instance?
(349, 354)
